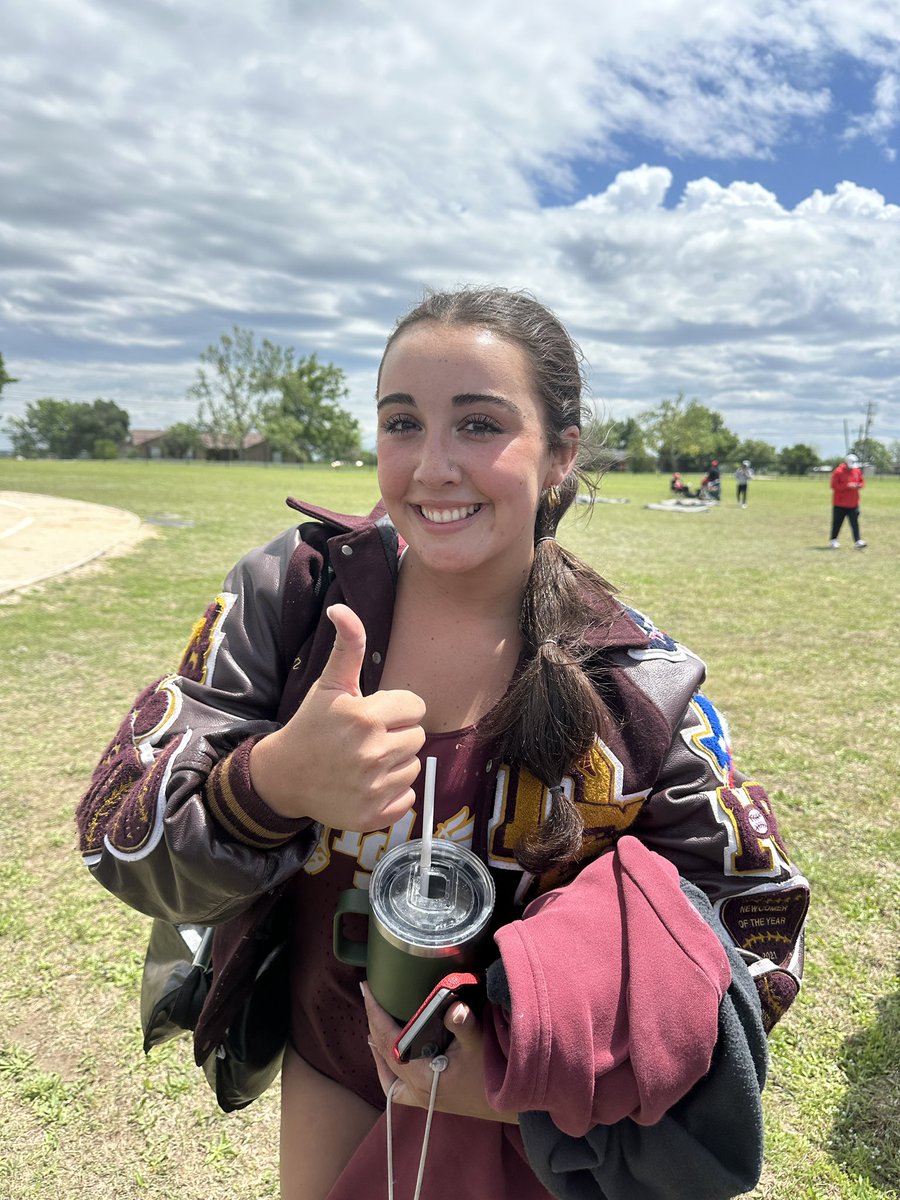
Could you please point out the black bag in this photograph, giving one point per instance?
(175, 984)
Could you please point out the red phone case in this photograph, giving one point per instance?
(457, 982)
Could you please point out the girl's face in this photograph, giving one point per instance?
(462, 450)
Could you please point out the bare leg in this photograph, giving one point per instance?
(322, 1124)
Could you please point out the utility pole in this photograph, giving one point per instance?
(871, 409)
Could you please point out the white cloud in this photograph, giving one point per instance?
(884, 118)
(850, 200)
(167, 171)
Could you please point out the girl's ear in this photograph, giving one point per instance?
(562, 459)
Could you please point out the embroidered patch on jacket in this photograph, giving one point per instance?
(521, 802)
(777, 992)
(661, 645)
(754, 843)
(126, 757)
(199, 659)
(116, 774)
(132, 825)
(767, 922)
(709, 738)
(156, 710)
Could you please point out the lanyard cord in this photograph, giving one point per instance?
(438, 1064)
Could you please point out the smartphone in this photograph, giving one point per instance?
(425, 1034)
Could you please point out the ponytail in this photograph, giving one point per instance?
(551, 714)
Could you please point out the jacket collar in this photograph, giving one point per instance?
(349, 523)
(614, 629)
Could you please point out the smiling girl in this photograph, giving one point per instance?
(648, 922)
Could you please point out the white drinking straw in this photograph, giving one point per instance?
(427, 826)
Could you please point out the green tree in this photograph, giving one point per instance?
(295, 404)
(664, 429)
(875, 453)
(686, 435)
(628, 436)
(180, 440)
(760, 454)
(307, 421)
(45, 429)
(24, 444)
(100, 422)
(64, 429)
(797, 460)
(234, 381)
(725, 443)
(5, 377)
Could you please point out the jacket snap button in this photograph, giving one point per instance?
(347, 550)
(376, 658)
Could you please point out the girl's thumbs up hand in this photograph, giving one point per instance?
(344, 759)
(341, 673)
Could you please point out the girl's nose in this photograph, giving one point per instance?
(437, 463)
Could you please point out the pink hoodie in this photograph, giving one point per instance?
(615, 984)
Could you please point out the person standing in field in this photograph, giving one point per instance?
(847, 481)
(649, 920)
(742, 476)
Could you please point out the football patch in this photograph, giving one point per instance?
(777, 992)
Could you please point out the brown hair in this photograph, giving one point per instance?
(552, 711)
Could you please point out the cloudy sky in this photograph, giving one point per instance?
(708, 193)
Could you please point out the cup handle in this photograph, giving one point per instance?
(353, 900)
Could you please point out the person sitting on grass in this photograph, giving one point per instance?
(681, 489)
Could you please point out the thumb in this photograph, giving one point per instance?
(345, 662)
(462, 1023)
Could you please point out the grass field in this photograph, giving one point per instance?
(801, 645)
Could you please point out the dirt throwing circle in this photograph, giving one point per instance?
(42, 537)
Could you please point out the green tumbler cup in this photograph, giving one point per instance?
(418, 934)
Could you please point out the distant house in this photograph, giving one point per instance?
(256, 448)
(148, 443)
(145, 443)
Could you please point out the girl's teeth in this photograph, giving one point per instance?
(442, 515)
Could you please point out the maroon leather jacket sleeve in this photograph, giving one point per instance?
(170, 823)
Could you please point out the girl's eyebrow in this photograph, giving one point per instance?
(462, 400)
(403, 398)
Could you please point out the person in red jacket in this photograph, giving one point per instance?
(846, 483)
